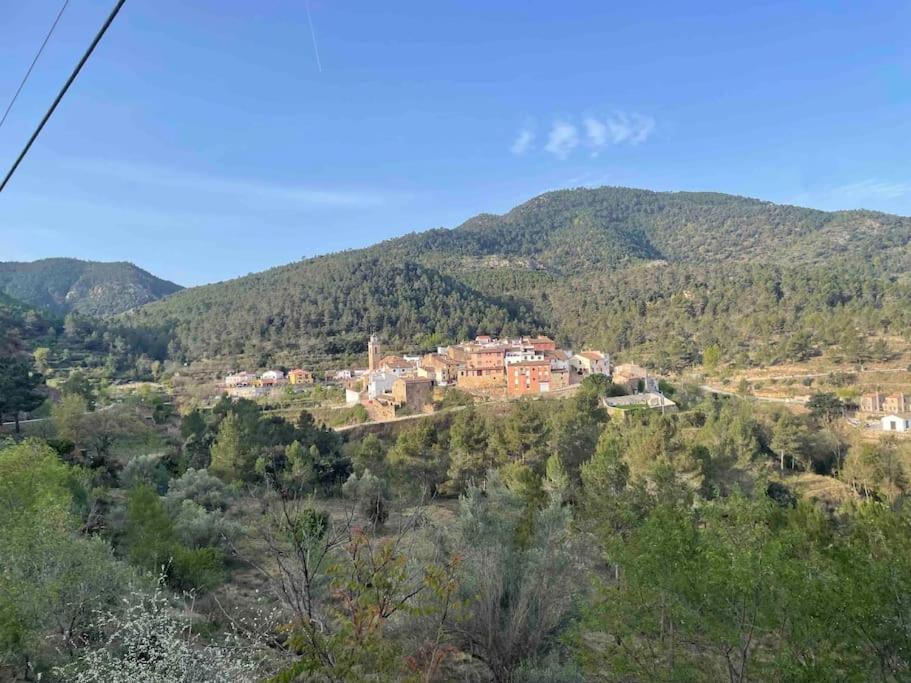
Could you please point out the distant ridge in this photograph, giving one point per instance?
(661, 273)
(64, 285)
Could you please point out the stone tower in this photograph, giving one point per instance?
(373, 353)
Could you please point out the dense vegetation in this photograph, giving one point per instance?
(64, 285)
(661, 275)
(545, 542)
(103, 349)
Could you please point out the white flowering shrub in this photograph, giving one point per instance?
(148, 642)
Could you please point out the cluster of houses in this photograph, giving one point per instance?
(525, 366)
(250, 385)
(894, 409)
(393, 385)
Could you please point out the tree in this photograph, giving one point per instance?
(230, 453)
(787, 437)
(51, 578)
(523, 436)
(42, 355)
(826, 407)
(711, 356)
(19, 387)
(520, 592)
(67, 417)
(371, 494)
(418, 458)
(77, 383)
(469, 458)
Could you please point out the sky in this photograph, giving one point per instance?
(206, 140)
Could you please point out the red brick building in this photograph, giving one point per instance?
(542, 343)
(527, 378)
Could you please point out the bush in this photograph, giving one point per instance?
(197, 528)
(200, 487)
(145, 470)
(195, 568)
(370, 492)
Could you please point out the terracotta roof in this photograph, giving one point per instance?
(395, 362)
(592, 355)
(527, 363)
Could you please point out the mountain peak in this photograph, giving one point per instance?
(65, 285)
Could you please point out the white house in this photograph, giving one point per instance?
(352, 397)
(380, 383)
(522, 356)
(396, 365)
(898, 422)
(240, 379)
(591, 363)
(272, 376)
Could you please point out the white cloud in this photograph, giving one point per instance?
(563, 139)
(523, 142)
(592, 132)
(629, 128)
(597, 134)
(618, 129)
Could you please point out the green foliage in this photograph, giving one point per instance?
(51, 579)
(469, 456)
(20, 387)
(91, 288)
(154, 544)
(232, 456)
(748, 590)
(418, 459)
(371, 494)
(825, 407)
(520, 576)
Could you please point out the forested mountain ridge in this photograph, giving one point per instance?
(329, 305)
(658, 273)
(64, 285)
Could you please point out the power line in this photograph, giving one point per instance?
(66, 86)
(34, 61)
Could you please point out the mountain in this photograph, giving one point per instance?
(64, 285)
(662, 274)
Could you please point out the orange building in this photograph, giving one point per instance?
(299, 376)
(483, 366)
(528, 378)
(541, 343)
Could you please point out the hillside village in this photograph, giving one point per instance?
(486, 367)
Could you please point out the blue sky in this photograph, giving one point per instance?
(202, 141)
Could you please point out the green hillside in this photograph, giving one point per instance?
(664, 274)
(64, 285)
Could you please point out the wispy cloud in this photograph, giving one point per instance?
(590, 132)
(523, 142)
(618, 129)
(563, 139)
(240, 189)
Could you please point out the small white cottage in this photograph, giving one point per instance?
(897, 422)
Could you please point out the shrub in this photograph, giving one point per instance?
(145, 470)
(195, 568)
(197, 528)
(371, 495)
(200, 487)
